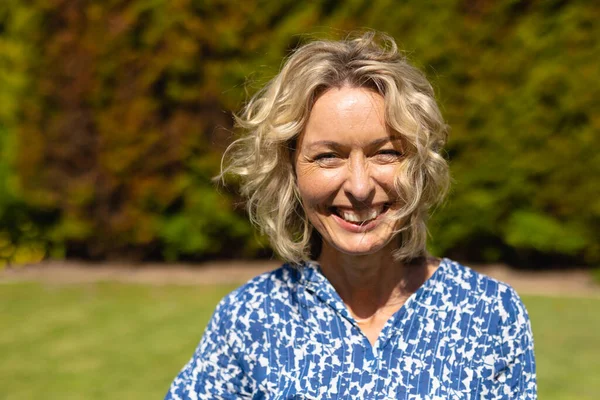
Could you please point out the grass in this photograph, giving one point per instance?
(121, 341)
(567, 346)
(98, 341)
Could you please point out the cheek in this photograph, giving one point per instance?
(385, 176)
(311, 192)
(318, 186)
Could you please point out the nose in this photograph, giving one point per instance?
(359, 182)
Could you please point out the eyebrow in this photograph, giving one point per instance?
(373, 143)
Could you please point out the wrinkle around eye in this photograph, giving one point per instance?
(307, 165)
(388, 157)
(327, 160)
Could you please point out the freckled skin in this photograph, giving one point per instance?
(347, 158)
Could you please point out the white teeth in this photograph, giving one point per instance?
(360, 216)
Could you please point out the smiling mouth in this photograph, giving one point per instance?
(360, 217)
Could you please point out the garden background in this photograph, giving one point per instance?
(114, 116)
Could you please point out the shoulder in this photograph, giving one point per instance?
(273, 288)
(485, 309)
(464, 285)
(466, 282)
(232, 343)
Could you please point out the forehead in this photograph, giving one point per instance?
(347, 115)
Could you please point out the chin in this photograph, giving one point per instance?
(360, 248)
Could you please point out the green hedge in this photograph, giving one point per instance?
(114, 115)
(21, 227)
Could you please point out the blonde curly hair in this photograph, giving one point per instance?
(275, 117)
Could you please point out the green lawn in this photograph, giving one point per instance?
(118, 341)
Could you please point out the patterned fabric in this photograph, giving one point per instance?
(287, 335)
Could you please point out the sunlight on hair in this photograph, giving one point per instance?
(274, 118)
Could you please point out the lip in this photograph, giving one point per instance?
(354, 228)
(353, 208)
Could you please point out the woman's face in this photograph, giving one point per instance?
(345, 162)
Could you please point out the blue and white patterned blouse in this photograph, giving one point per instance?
(287, 334)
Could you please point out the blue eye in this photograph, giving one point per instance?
(327, 159)
(325, 156)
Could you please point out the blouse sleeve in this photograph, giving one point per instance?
(215, 370)
(514, 365)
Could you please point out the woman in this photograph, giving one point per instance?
(340, 164)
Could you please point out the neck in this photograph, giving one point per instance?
(375, 283)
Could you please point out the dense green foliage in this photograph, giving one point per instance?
(113, 116)
(21, 226)
(128, 341)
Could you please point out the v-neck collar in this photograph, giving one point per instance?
(315, 282)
